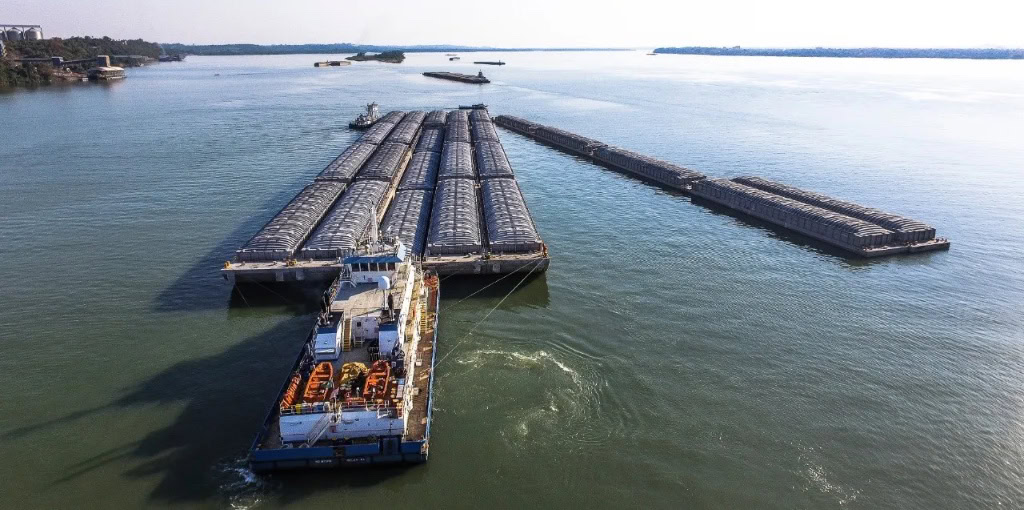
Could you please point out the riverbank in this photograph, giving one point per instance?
(15, 74)
(951, 53)
(334, 48)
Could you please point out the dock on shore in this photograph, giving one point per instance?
(438, 181)
(860, 230)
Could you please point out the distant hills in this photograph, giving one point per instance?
(292, 49)
(968, 53)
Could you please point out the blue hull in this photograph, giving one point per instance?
(390, 450)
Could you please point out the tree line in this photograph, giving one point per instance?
(968, 53)
(13, 74)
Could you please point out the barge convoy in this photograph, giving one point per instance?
(360, 390)
(439, 181)
(860, 230)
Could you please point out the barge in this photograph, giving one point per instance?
(479, 79)
(332, 63)
(361, 389)
(860, 230)
(854, 228)
(439, 181)
(490, 63)
(667, 174)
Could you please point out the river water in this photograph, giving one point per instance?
(672, 356)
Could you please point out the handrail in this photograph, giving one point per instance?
(332, 407)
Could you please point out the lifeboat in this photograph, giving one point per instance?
(377, 381)
(291, 395)
(319, 383)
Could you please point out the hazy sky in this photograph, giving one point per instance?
(537, 23)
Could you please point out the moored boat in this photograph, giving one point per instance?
(106, 73)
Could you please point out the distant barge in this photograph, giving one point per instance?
(439, 181)
(490, 62)
(857, 229)
(464, 78)
(332, 63)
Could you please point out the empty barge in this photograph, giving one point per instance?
(360, 391)
(479, 79)
(854, 228)
(439, 181)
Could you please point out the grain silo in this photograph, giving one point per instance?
(33, 34)
(13, 34)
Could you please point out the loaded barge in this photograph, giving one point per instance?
(860, 230)
(360, 391)
(479, 79)
(439, 181)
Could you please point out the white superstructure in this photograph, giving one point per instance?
(368, 336)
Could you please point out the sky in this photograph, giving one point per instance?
(537, 23)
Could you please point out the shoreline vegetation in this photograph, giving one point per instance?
(126, 53)
(302, 49)
(948, 53)
(391, 57)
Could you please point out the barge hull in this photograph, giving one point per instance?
(326, 270)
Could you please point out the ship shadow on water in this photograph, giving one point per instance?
(201, 286)
(219, 420)
(298, 299)
(529, 292)
(225, 398)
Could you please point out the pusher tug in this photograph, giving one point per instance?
(360, 391)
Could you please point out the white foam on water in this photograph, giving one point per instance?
(242, 488)
(818, 479)
(565, 413)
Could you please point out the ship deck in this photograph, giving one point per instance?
(419, 416)
(366, 298)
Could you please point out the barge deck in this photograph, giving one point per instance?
(441, 182)
(859, 230)
(479, 79)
